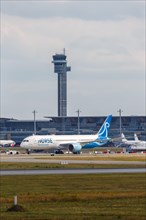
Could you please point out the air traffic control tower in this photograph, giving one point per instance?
(61, 68)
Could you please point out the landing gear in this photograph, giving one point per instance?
(78, 152)
(28, 151)
(58, 151)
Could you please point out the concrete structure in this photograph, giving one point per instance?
(61, 68)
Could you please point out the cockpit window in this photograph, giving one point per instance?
(25, 140)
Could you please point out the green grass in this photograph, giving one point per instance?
(92, 158)
(80, 197)
(41, 165)
(98, 157)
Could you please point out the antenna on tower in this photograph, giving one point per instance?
(64, 51)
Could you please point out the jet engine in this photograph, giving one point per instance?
(75, 148)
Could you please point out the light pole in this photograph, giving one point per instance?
(34, 113)
(78, 111)
(120, 111)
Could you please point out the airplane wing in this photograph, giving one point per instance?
(109, 139)
(116, 139)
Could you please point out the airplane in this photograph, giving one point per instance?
(127, 142)
(134, 145)
(139, 142)
(73, 143)
(7, 143)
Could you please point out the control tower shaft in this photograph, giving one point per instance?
(60, 67)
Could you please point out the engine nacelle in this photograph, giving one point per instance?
(75, 148)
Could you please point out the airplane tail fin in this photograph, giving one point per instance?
(123, 137)
(103, 132)
(135, 137)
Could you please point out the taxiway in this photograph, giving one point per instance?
(70, 171)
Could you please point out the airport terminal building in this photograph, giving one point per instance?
(17, 130)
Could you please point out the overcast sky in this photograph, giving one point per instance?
(105, 47)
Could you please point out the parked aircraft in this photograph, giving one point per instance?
(73, 143)
(7, 143)
(134, 145)
(139, 142)
(127, 142)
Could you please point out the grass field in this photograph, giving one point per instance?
(44, 161)
(41, 165)
(114, 157)
(70, 197)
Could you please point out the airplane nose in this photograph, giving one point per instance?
(22, 144)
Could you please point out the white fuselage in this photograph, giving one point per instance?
(73, 142)
(7, 142)
(55, 141)
(136, 143)
(137, 148)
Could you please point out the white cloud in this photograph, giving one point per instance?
(86, 10)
